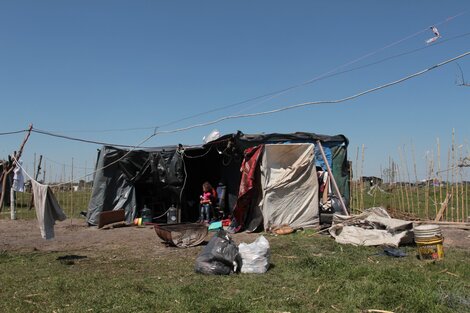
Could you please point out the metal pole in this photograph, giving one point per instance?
(333, 180)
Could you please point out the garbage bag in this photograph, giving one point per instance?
(219, 257)
(255, 256)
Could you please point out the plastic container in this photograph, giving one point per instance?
(429, 241)
(427, 232)
(172, 215)
(432, 250)
(146, 215)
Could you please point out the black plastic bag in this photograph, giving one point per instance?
(219, 257)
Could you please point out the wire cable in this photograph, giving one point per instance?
(93, 172)
(313, 103)
(44, 132)
(13, 132)
(322, 77)
(277, 93)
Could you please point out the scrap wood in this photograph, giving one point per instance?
(458, 225)
(114, 225)
(443, 207)
(452, 274)
(330, 174)
(318, 289)
(109, 217)
(288, 256)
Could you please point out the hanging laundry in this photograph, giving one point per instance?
(48, 209)
(18, 178)
(437, 35)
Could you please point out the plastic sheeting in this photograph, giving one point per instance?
(255, 256)
(118, 171)
(290, 186)
(219, 257)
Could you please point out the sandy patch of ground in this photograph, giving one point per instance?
(76, 237)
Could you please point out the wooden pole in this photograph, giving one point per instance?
(31, 202)
(434, 186)
(453, 171)
(402, 163)
(333, 180)
(439, 169)
(356, 189)
(461, 193)
(443, 208)
(362, 182)
(71, 196)
(413, 154)
(447, 215)
(9, 169)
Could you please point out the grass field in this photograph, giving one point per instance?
(309, 273)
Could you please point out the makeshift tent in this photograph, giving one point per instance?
(173, 175)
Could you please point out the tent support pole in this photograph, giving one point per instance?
(333, 180)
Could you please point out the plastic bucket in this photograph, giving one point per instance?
(429, 241)
(427, 232)
(431, 249)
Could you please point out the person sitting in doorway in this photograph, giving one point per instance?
(208, 198)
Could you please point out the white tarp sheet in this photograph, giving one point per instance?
(290, 186)
(374, 227)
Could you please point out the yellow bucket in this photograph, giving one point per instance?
(430, 248)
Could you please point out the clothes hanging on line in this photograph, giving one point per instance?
(18, 178)
(47, 208)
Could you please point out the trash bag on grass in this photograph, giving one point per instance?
(255, 256)
(219, 257)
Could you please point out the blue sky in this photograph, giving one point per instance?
(83, 68)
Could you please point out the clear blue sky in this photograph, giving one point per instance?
(80, 68)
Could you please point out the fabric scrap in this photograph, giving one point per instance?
(249, 187)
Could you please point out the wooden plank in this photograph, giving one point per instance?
(444, 206)
(109, 217)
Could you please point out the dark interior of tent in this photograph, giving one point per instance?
(157, 188)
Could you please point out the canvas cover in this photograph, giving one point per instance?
(289, 186)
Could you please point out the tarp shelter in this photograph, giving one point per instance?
(160, 177)
(289, 185)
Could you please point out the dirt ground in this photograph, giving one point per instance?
(75, 237)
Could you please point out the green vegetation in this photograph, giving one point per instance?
(310, 273)
(415, 201)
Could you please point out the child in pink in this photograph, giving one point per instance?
(207, 198)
